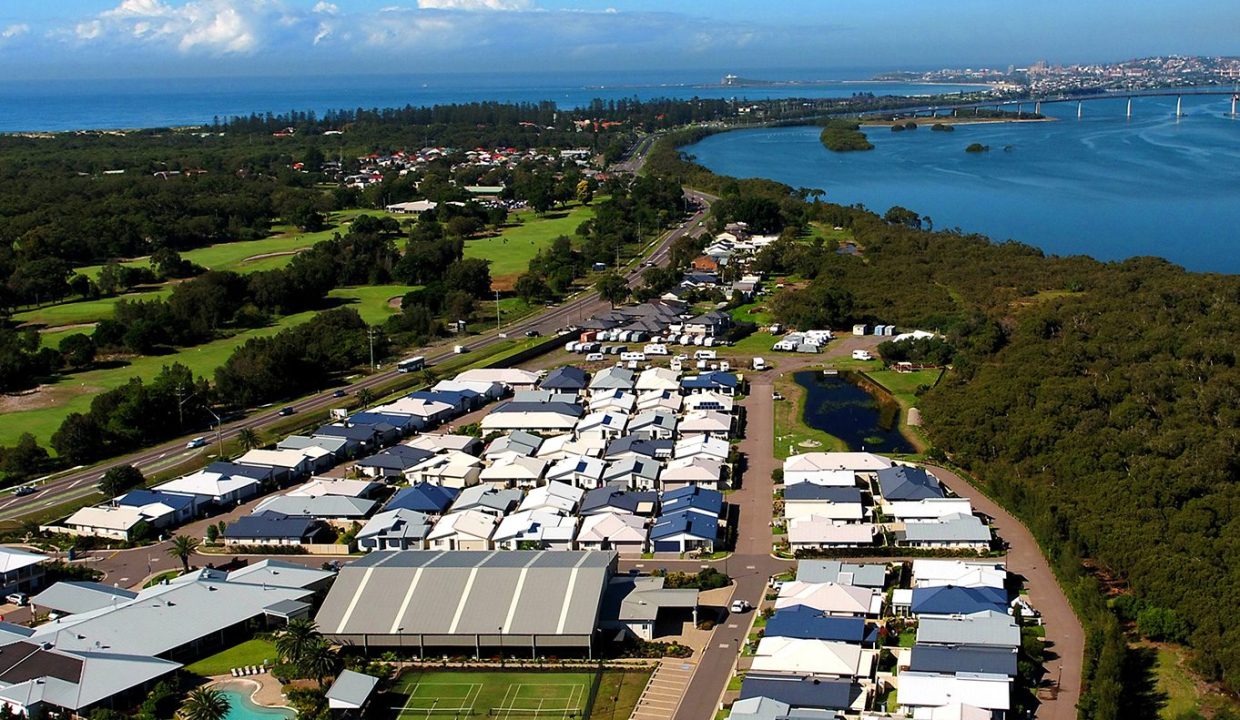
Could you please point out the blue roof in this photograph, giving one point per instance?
(138, 498)
(451, 397)
(565, 378)
(423, 497)
(270, 524)
(693, 497)
(810, 491)
(621, 499)
(374, 418)
(360, 433)
(902, 482)
(952, 600)
(803, 692)
(710, 380)
(686, 522)
(952, 659)
(555, 407)
(807, 623)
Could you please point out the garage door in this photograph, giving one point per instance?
(666, 546)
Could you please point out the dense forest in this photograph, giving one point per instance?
(1098, 400)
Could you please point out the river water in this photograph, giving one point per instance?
(1103, 185)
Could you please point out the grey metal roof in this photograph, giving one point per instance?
(320, 506)
(984, 628)
(824, 571)
(70, 597)
(279, 573)
(630, 598)
(351, 689)
(952, 528)
(963, 659)
(468, 593)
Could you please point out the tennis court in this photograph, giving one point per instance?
(504, 695)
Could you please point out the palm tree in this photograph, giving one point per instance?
(183, 546)
(297, 639)
(365, 397)
(427, 377)
(248, 438)
(319, 661)
(205, 704)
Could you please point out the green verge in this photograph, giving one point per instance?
(250, 652)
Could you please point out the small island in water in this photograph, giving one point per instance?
(977, 148)
(844, 136)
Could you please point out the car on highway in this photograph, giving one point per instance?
(17, 598)
(286, 411)
(196, 443)
(531, 333)
(340, 393)
(25, 490)
(741, 606)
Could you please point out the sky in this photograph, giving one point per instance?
(44, 39)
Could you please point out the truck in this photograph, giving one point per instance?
(412, 364)
(459, 349)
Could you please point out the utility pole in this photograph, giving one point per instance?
(219, 431)
(497, 311)
(370, 333)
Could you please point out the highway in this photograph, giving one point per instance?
(79, 484)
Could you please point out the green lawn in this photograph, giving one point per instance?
(1183, 691)
(83, 311)
(372, 302)
(480, 694)
(73, 393)
(830, 236)
(618, 694)
(754, 312)
(250, 652)
(792, 435)
(510, 252)
(756, 344)
(904, 385)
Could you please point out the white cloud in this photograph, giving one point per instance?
(474, 5)
(325, 8)
(216, 27)
(14, 30)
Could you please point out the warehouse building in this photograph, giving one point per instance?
(461, 602)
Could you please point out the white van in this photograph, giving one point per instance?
(759, 364)
(862, 355)
(196, 443)
(703, 354)
(633, 357)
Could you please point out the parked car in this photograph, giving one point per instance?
(286, 411)
(17, 598)
(741, 606)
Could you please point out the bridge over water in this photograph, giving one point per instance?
(1080, 99)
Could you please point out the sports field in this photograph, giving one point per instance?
(492, 695)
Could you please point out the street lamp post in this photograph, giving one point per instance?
(219, 430)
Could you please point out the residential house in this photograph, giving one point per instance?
(707, 422)
(453, 469)
(514, 470)
(710, 324)
(560, 447)
(838, 469)
(357, 440)
(956, 660)
(831, 598)
(961, 573)
(987, 628)
(632, 473)
(605, 424)
(806, 696)
(579, 471)
(654, 425)
(221, 483)
(620, 401)
(512, 378)
(467, 530)
(397, 529)
(684, 531)
(543, 529)
(21, 570)
(703, 501)
(517, 442)
(160, 509)
(949, 600)
(816, 658)
(720, 383)
(927, 509)
(606, 500)
(635, 605)
(612, 378)
(330, 508)
(710, 400)
(930, 695)
(487, 499)
(566, 379)
(286, 465)
(905, 482)
(818, 533)
(107, 521)
(957, 531)
(390, 426)
(868, 575)
(624, 533)
(274, 528)
(532, 417)
(392, 462)
(428, 409)
(430, 500)
(837, 504)
(704, 472)
(808, 623)
(555, 496)
(669, 400)
(657, 379)
(443, 442)
(703, 446)
(338, 447)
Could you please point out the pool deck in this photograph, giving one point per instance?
(265, 689)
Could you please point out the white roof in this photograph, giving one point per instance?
(558, 447)
(209, 484)
(615, 527)
(830, 598)
(702, 445)
(652, 399)
(934, 573)
(613, 400)
(826, 478)
(577, 466)
(536, 525)
(15, 559)
(705, 421)
(332, 486)
(415, 406)
(992, 692)
(819, 530)
(511, 466)
(482, 387)
(558, 496)
(120, 518)
(657, 378)
(601, 421)
(696, 469)
(854, 461)
(512, 377)
(812, 657)
(468, 523)
(710, 397)
(929, 508)
(273, 458)
(438, 442)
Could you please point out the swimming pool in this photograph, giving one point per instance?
(241, 708)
